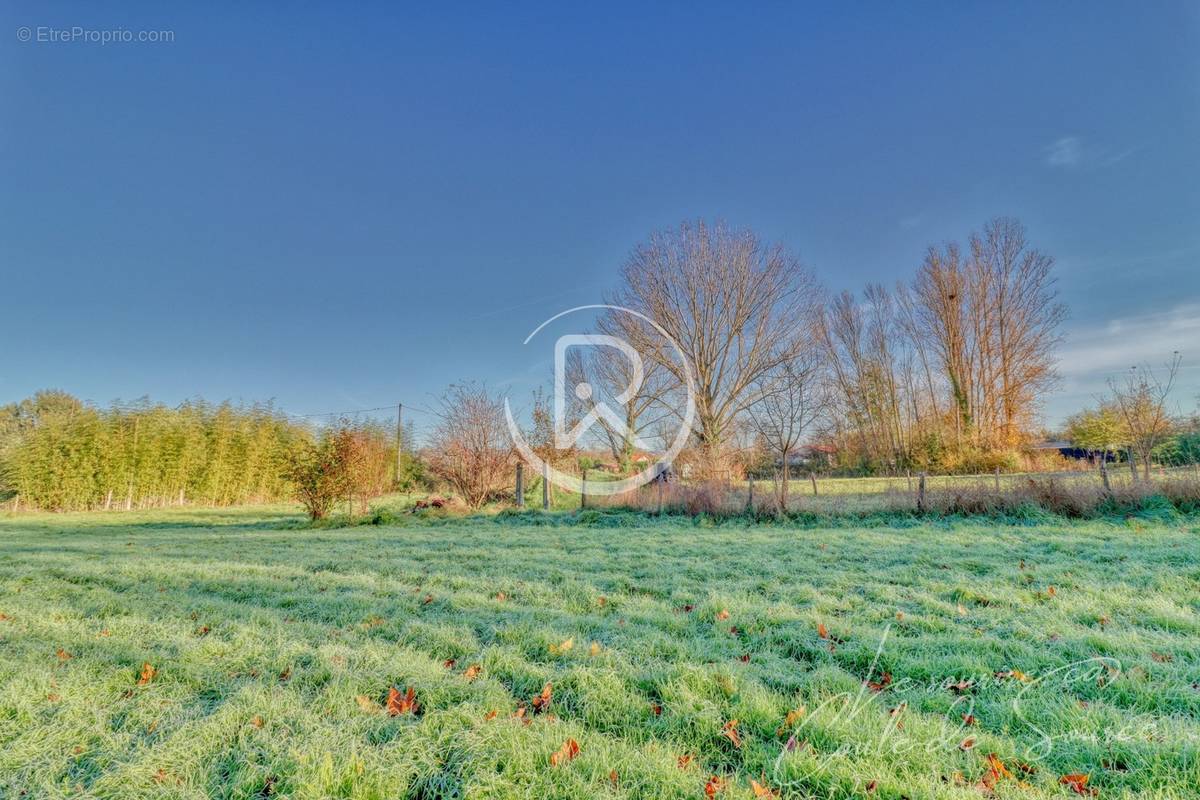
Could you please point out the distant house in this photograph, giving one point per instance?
(1067, 449)
(812, 456)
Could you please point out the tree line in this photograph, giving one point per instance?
(57, 453)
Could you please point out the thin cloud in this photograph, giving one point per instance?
(1067, 152)
(1099, 352)
(1071, 152)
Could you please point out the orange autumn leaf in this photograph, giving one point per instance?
(4, 617)
(148, 673)
(256, 722)
(878, 686)
(428, 599)
(398, 704)
(63, 655)
(996, 772)
(568, 751)
(490, 715)
(501, 596)
(562, 647)
(1077, 783)
(714, 785)
(723, 614)
(594, 650)
(967, 743)
(683, 762)
(762, 791)
(472, 672)
(53, 698)
(449, 663)
(602, 601)
(729, 731)
(822, 631)
(542, 701)
(969, 719)
(614, 779)
(656, 709)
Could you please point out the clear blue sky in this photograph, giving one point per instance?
(343, 206)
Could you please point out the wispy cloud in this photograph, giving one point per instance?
(1071, 152)
(1104, 350)
(1067, 152)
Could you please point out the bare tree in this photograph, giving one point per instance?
(1141, 399)
(610, 376)
(471, 448)
(735, 306)
(791, 397)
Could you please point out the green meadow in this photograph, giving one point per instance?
(242, 654)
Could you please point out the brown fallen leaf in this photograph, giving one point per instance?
(1162, 658)
(562, 647)
(449, 663)
(614, 778)
(966, 744)
(723, 614)
(714, 785)
(729, 731)
(398, 704)
(568, 751)
(63, 655)
(762, 790)
(684, 761)
(883, 682)
(490, 715)
(969, 719)
(256, 722)
(147, 675)
(822, 631)
(542, 701)
(1077, 783)
(594, 650)
(472, 672)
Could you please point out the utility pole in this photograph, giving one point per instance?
(399, 438)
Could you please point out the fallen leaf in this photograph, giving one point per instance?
(53, 698)
(745, 658)
(449, 663)
(148, 673)
(398, 704)
(428, 599)
(568, 751)
(1162, 658)
(969, 719)
(472, 672)
(203, 630)
(714, 785)
(966, 744)
(1077, 783)
(881, 684)
(872, 786)
(729, 731)
(822, 631)
(723, 614)
(286, 675)
(602, 601)
(683, 762)
(1051, 591)
(501, 596)
(961, 686)
(962, 610)
(562, 647)
(594, 650)
(614, 779)
(542, 701)
(63, 655)
(656, 709)
(760, 790)
(256, 722)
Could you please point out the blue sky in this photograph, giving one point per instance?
(341, 207)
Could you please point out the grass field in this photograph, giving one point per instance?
(234, 654)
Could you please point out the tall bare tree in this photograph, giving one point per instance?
(736, 307)
(471, 449)
(1141, 399)
(791, 397)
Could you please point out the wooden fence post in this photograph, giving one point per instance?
(997, 480)
(1132, 465)
(520, 485)
(921, 493)
(583, 491)
(545, 486)
(908, 474)
(660, 480)
(813, 477)
(750, 499)
(1104, 476)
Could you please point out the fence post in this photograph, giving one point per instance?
(1104, 476)
(750, 500)
(660, 480)
(520, 485)
(583, 491)
(545, 486)
(813, 477)
(1132, 465)
(997, 480)
(908, 474)
(921, 493)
